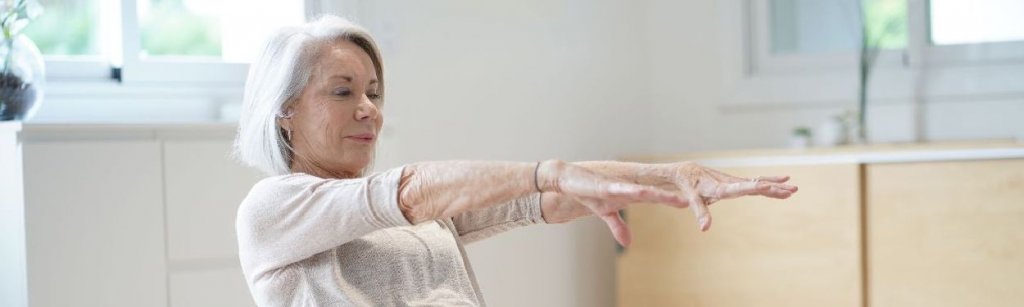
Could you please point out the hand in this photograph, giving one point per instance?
(702, 186)
(602, 195)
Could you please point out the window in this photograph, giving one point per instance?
(815, 35)
(953, 49)
(68, 28)
(966, 32)
(149, 41)
(821, 26)
(813, 28)
(972, 22)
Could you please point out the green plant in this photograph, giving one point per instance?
(874, 30)
(16, 16)
(802, 131)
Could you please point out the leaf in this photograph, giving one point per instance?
(33, 9)
(6, 5)
(17, 26)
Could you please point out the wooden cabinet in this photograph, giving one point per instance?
(946, 233)
(120, 216)
(928, 227)
(758, 252)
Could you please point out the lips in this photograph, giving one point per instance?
(365, 137)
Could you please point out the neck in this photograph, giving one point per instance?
(300, 165)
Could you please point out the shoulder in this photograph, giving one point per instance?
(277, 187)
(268, 194)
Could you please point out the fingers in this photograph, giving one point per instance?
(626, 192)
(700, 210)
(769, 186)
(619, 228)
(775, 179)
(582, 183)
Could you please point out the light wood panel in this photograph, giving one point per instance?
(946, 234)
(804, 251)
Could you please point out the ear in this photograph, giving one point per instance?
(284, 118)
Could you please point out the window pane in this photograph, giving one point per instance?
(67, 27)
(886, 23)
(976, 21)
(230, 30)
(820, 26)
(169, 27)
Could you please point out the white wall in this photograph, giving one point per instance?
(515, 80)
(574, 79)
(13, 251)
(689, 90)
(570, 79)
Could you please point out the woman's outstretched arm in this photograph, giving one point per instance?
(701, 186)
(286, 219)
(435, 190)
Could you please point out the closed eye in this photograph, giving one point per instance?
(343, 92)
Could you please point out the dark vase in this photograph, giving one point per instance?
(21, 79)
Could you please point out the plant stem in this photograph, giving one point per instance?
(864, 69)
(9, 35)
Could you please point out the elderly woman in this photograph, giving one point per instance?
(322, 232)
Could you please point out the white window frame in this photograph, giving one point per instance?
(137, 75)
(960, 54)
(136, 70)
(921, 71)
(764, 61)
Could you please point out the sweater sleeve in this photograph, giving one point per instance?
(286, 219)
(481, 224)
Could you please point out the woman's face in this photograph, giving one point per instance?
(336, 119)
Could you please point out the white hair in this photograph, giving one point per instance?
(278, 75)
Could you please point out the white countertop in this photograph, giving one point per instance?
(89, 131)
(874, 154)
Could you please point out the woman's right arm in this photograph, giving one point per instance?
(437, 190)
(286, 219)
(291, 218)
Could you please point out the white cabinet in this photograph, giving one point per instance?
(203, 189)
(94, 223)
(137, 215)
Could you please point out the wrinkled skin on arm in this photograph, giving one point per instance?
(434, 190)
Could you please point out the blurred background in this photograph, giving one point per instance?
(843, 92)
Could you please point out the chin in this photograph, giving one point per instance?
(364, 163)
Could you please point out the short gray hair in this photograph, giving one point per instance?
(278, 75)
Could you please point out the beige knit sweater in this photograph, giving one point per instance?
(309, 241)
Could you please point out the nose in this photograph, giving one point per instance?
(367, 110)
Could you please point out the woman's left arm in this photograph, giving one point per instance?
(484, 223)
(700, 185)
(539, 208)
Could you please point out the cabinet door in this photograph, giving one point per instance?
(946, 234)
(204, 187)
(13, 286)
(804, 251)
(220, 286)
(94, 223)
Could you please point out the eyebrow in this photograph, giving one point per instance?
(349, 78)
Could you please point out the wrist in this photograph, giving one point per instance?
(547, 175)
(656, 174)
